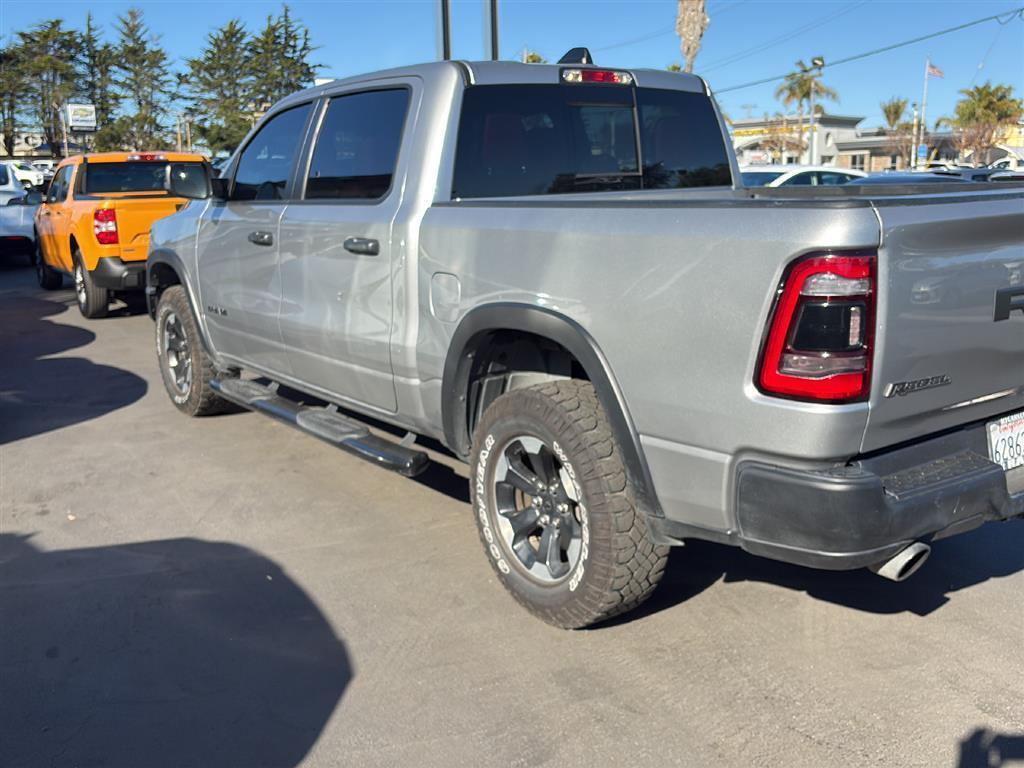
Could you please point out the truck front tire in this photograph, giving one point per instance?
(185, 367)
(49, 278)
(554, 507)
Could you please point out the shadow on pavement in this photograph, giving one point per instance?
(166, 653)
(987, 749)
(994, 550)
(39, 393)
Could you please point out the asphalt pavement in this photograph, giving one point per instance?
(229, 592)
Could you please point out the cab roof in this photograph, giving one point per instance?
(508, 73)
(125, 157)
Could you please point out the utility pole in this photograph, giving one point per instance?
(444, 21)
(924, 105)
(177, 131)
(913, 140)
(492, 19)
(188, 132)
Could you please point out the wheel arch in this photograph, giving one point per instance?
(164, 268)
(472, 336)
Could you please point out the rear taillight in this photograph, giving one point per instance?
(104, 224)
(821, 331)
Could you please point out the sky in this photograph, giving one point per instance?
(746, 40)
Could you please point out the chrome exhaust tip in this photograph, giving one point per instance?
(904, 563)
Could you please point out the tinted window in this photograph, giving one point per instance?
(681, 140)
(266, 162)
(102, 178)
(831, 177)
(5, 178)
(190, 179)
(357, 147)
(544, 139)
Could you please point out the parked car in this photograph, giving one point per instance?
(556, 271)
(17, 233)
(1016, 175)
(1008, 163)
(906, 178)
(796, 175)
(46, 167)
(29, 177)
(94, 223)
(10, 185)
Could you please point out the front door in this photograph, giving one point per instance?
(238, 247)
(51, 217)
(337, 249)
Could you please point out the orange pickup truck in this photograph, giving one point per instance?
(94, 221)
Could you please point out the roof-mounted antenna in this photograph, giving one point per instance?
(577, 56)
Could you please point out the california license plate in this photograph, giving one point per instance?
(1006, 441)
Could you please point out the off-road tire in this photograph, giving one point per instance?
(93, 301)
(620, 566)
(200, 398)
(49, 279)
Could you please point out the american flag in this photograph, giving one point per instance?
(934, 71)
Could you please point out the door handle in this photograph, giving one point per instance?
(363, 245)
(261, 238)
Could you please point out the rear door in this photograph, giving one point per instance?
(337, 254)
(238, 240)
(946, 354)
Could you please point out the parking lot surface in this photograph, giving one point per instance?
(229, 592)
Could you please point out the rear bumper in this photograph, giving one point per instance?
(116, 275)
(864, 513)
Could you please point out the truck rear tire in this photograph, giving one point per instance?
(185, 367)
(93, 302)
(554, 507)
(49, 278)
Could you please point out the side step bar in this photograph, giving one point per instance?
(324, 423)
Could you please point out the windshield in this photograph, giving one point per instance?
(758, 178)
(25, 167)
(103, 178)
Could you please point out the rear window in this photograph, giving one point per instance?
(101, 178)
(549, 139)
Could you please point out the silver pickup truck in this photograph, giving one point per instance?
(554, 270)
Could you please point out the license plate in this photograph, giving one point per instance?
(1006, 441)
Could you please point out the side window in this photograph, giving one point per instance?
(831, 177)
(59, 186)
(5, 177)
(266, 162)
(357, 147)
(805, 179)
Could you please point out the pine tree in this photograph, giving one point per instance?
(220, 86)
(13, 91)
(143, 78)
(280, 60)
(48, 65)
(96, 61)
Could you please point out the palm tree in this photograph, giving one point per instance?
(892, 111)
(901, 142)
(691, 21)
(798, 88)
(982, 116)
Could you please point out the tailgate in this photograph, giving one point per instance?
(134, 218)
(941, 358)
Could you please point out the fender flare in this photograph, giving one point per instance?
(574, 338)
(166, 257)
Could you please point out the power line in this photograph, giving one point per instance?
(1008, 14)
(713, 13)
(785, 37)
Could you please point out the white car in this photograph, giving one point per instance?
(796, 175)
(24, 172)
(10, 186)
(46, 167)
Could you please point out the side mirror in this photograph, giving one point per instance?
(219, 188)
(188, 180)
(34, 198)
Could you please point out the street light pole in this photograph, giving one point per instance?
(817, 64)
